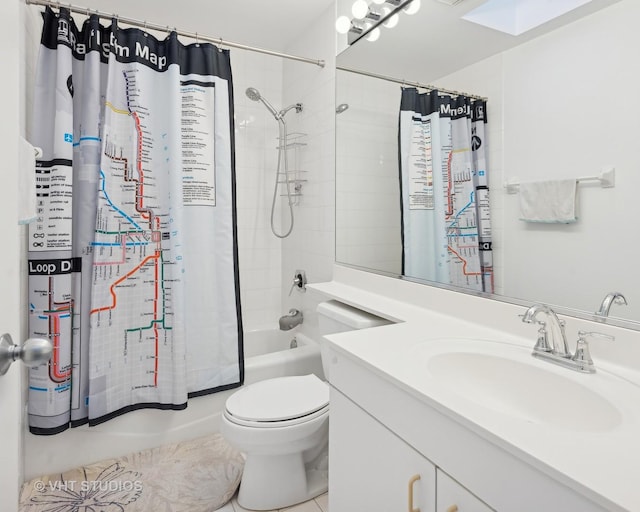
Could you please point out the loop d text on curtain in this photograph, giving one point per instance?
(133, 258)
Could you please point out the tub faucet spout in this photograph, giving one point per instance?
(288, 322)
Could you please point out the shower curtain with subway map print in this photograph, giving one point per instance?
(133, 257)
(446, 227)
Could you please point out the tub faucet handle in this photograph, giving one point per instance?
(299, 281)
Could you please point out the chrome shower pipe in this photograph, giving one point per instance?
(254, 95)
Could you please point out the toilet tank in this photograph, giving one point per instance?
(335, 317)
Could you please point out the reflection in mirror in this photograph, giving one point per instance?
(444, 193)
(561, 104)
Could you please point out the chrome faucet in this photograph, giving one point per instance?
(556, 351)
(288, 322)
(608, 301)
(557, 327)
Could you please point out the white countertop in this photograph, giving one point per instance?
(602, 465)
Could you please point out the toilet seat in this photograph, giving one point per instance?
(279, 402)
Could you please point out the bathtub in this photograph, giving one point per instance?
(267, 355)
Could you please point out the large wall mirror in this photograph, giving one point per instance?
(562, 103)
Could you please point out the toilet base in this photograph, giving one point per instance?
(273, 482)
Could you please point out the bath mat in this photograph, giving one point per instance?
(200, 475)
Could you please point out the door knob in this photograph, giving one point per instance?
(33, 352)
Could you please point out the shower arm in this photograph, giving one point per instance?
(297, 106)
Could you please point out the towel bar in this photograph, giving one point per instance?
(607, 179)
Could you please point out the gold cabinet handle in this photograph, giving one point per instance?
(452, 508)
(412, 481)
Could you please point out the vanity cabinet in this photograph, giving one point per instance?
(452, 497)
(384, 434)
(373, 469)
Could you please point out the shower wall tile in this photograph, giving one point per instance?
(256, 132)
(311, 246)
(367, 204)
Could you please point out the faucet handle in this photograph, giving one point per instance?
(583, 334)
(542, 343)
(299, 281)
(582, 354)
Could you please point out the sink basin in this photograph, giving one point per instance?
(504, 378)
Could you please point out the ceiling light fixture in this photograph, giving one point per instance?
(359, 9)
(412, 8)
(368, 17)
(392, 20)
(343, 24)
(374, 34)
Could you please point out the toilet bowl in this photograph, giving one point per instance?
(282, 427)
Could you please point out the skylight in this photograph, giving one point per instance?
(517, 16)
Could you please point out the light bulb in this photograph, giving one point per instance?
(373, 35)
(343, 24)
(391, 22)
(359, 9)
(412, 8)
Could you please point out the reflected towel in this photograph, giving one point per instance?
(26, 183)
(552, 201)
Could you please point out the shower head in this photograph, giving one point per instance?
(254, 95)
(341, 108)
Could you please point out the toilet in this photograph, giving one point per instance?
(281, 425)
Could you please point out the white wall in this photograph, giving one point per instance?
(311, 245)
(259, 251)
(562, 105)
(588, 89)
(565, 105)
(368, 198)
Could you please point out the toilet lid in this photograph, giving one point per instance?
(279, 399)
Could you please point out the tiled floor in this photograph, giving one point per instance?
(320, 504)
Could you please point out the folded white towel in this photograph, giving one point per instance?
(26, 183)
(552, 201)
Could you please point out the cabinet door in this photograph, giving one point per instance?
(452, 497)
(370, 468)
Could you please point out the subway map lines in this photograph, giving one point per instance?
(461, 220)
(132, 294)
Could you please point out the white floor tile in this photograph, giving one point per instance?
(323, 502)
(307, 506)
(227, 508)
(320, 504)
(237, 507)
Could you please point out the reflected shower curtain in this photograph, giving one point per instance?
(446, 228)
(133, 258)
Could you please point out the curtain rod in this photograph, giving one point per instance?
(154, 26)
(412, 84)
